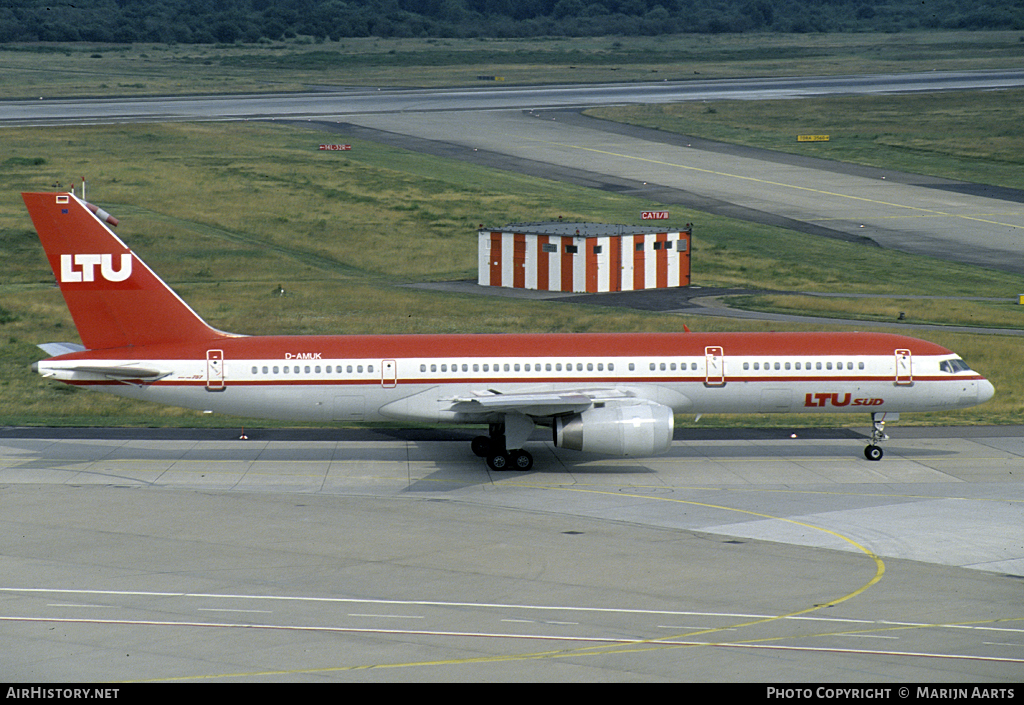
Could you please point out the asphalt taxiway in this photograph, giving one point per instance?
(390, 554)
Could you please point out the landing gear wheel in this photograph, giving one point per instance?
(499, 462)
(481, 446)
(521, 460)
(873, 453)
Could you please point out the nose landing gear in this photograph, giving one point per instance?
(873, 451)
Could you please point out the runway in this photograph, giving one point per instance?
(138, 555)
(514, 128)
(897, 211)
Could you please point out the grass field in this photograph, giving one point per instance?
(45, 70)
(228, 212)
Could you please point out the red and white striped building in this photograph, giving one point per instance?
(583, 257)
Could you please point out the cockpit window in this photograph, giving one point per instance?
(953, 366)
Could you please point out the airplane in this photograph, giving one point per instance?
(608, 393)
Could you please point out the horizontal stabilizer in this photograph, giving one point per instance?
(121, 372)
(55, 349)
(70, 372)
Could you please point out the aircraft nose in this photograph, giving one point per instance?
(985, 391)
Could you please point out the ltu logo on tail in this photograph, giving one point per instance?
(88, 264)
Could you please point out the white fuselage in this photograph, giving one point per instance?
(428, 389)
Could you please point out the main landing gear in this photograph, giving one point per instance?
(873, 452)
(498, 457)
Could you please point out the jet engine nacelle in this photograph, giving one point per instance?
(637, 430)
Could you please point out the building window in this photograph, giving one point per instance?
(571, 249)
(549, 248)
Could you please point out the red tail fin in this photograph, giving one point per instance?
(114, 298)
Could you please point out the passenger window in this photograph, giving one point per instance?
(254, 369)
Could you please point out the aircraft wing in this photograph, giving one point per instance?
(548, 403)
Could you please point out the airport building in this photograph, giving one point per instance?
(583, 257)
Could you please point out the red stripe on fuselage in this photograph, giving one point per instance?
(568, 345)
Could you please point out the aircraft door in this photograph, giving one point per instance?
(389, 373)
(904, 368)
(215, 370)
(714, 366)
